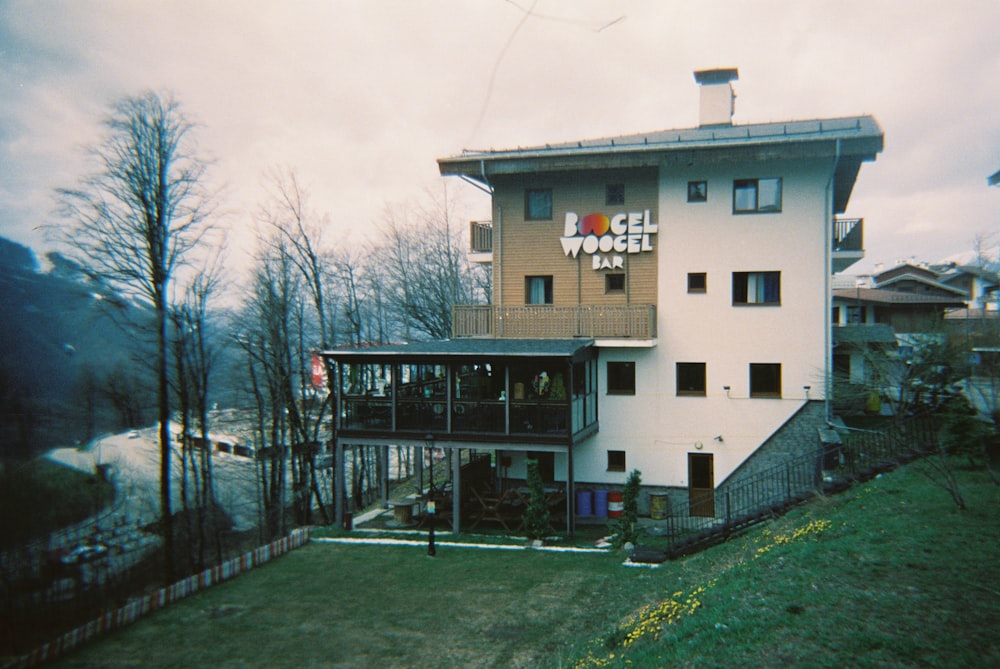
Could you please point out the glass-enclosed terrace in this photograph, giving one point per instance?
(499, 391)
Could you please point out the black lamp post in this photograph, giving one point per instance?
(431, 510)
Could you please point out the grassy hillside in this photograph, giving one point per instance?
(889, 573)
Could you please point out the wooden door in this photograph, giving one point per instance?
(701, 484)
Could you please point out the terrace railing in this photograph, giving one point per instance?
(550, 322)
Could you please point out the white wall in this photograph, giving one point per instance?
(657, 428)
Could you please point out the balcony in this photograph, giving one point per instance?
(848, 242)
(481, 241)
(637, 322)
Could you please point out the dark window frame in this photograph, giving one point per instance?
(616, 461)
(621, 377)
(697, 191)
(614, 277)
(754, 186)
(765, 380)
(614, 194)
(530, 205)
(694, 278)
(769, 292)
(691, 379)
(549, 288)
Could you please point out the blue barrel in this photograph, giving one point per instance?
(601, 503)
(583, 507)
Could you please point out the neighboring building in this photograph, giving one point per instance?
(662, 303)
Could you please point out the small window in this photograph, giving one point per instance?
(538, 290)
(756, 196)
(697, 191)
(621, 378)
(757, 288)
(697, 282)
(616, 461)
(614, 283)
(538, 204)
(765, 379)
(614, 194)
(691, 378)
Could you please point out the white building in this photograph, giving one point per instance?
(678, 284)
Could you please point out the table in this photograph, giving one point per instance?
(402, 511)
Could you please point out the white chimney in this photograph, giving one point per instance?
(718, 101)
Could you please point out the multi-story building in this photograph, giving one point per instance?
(661, 303)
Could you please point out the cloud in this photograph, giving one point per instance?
(362, 97)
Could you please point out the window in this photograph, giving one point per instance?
(546, 465)
(697, 191)
(616, 461)
(614, 283)
(538, 204)
(765, 379)
(697, 282)
(756, 287)
(756, 195)
(614, 194)
(691, 378)
(621, 378)
(538, 290)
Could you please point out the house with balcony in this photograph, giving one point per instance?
(661, 303)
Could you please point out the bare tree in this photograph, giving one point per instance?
(422, 254)
(197, 344)
(297, 239)
(133, 221)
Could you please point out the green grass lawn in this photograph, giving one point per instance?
(889, 573)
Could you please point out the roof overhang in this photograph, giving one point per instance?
(465, 349)
(848, 141)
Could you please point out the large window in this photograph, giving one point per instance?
(756, 195)
(538, 290)
(538, 204)
(765, 379)
(621, 378)
(757, 288)
(691, 378)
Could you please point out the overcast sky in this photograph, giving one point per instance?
(361, 97)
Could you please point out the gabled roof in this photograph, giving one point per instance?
(929, 284)
(850, 140)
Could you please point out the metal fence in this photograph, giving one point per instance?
(771, 492)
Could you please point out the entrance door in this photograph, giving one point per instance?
(701, 484)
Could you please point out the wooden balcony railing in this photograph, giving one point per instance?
(481, 236)
(548, 322)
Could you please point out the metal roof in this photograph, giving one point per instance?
(883, 296)
(468, 347)
(782, 132)
(850, 140)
